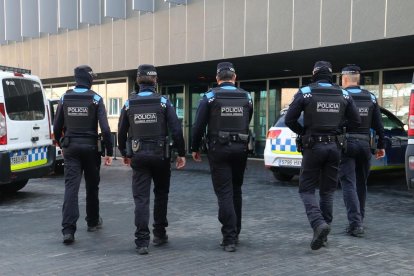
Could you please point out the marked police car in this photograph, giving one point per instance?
(409, 156)
(283, 159)
(26, 149)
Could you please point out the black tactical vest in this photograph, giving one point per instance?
(147, 118)
(325, 111)
(229, 112)
(365, 106)
(80, 112)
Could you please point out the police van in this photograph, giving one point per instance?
(26, 149)
(283, 159)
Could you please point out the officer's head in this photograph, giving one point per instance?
(84, 76)
(225, 72)
(350, 75)
(146, 74)
(322, 71)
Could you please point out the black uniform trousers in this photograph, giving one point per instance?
(149, 166)
(80, 158)
(353, 174)
(227, 165)
(319, 166)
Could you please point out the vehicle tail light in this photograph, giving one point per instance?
(411, 162)
(18, 74)
(3, 126)
(48, 120)
(411, 113)
(274, 133)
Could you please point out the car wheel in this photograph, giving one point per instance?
(13, 187)
(282, 176)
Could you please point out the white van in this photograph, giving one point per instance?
(26, 149)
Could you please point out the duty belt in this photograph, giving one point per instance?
(84, 140)
(224, 136)
(324, 138)
(364, 137)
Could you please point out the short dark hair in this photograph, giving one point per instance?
(146, 80)
(225, 75)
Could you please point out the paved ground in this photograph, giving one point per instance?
(274, 241)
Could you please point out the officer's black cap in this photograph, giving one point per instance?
(322, 65)
(351, 69)
(146, 70)
(83, 70)
(222, 66)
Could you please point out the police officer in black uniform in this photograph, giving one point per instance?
(77, 116)
(355, 162)
(325, 106)
(148, 116)
(227, 110)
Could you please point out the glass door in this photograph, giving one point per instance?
(258, 124)
(176, 96)
(281, 93)
(175, 93)
(196, 94)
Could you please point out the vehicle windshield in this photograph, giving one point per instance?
(281, 121)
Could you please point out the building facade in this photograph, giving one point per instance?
(272, 43)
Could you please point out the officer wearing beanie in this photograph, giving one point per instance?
(77, 116)
(146, 118)
(355, 162)
(325, 107)
(226, 111)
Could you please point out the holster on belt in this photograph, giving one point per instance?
(342, 142)
(101, 145)
(64, 142)
(299, 143)
(166, 146)
(128, 148)
(243, 137)
(223, 137)
(373, 142)
(307, 141)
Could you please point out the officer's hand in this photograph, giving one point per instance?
(126, 161)
(196, 156)
(379, 153)
(107, 160)
(180, 162)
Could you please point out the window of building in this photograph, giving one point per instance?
(115, 106)
(370, 82)
(115, 89)
(57, 91)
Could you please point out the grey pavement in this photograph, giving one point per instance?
(274, 241)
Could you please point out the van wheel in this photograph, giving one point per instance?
(13, 187)
(282, 176)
